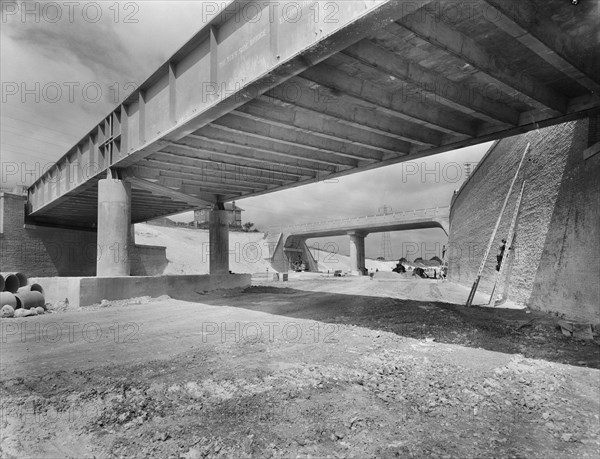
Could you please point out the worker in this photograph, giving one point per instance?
(399, 268)
(500, 255)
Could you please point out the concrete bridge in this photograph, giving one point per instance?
(271, 95)
(287, 243)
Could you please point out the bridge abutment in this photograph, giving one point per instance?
(114, 228)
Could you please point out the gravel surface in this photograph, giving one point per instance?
(289, 372)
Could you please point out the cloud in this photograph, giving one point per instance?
(39, 56)
(87, 51)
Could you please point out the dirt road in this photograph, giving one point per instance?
(285, 372)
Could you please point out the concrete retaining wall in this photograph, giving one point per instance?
(149, 260)
(48, 252)
(60, 289)
(556, 266)
(84, 291)
(41, 251)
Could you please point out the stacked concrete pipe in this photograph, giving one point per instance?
(30, 299)
(16, 292)
(11, 282)
(31, 288)
(14, 279)
(7, 298)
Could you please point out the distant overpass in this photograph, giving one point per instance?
(274, 95)
(287, 243)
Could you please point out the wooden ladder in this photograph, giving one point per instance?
(509, 240)
(491, 241)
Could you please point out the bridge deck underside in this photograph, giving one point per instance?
(420, 85)
(81, 210)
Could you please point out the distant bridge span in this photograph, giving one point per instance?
(287, 242)
(435, 217)
(268, 98)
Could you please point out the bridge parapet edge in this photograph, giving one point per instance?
(431, 212)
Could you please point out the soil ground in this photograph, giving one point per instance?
(309, 368)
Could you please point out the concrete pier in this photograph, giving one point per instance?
(357, 253)
(114, 228)
(218, 233)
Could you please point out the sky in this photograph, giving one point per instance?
(65, 65)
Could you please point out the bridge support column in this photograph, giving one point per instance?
(114, 228)
(218, 234)
(357, 253)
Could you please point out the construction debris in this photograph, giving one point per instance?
(576, 330)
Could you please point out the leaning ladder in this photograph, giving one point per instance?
(489, 246)
(444, 267)
(509, 240)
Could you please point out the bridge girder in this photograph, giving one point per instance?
(388, 81)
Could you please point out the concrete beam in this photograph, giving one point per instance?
(436, 32)
(371, 144)
(393, 104)
(542, 36)
(215, 185)
(166, 191)
(249, 170)
(248, 134)
(223, 154)
(175, 179)
(276, 143)
(227, 175)
(215, 140)
(289, 136)
(430, 82)
(185, 173)
(326, 104)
